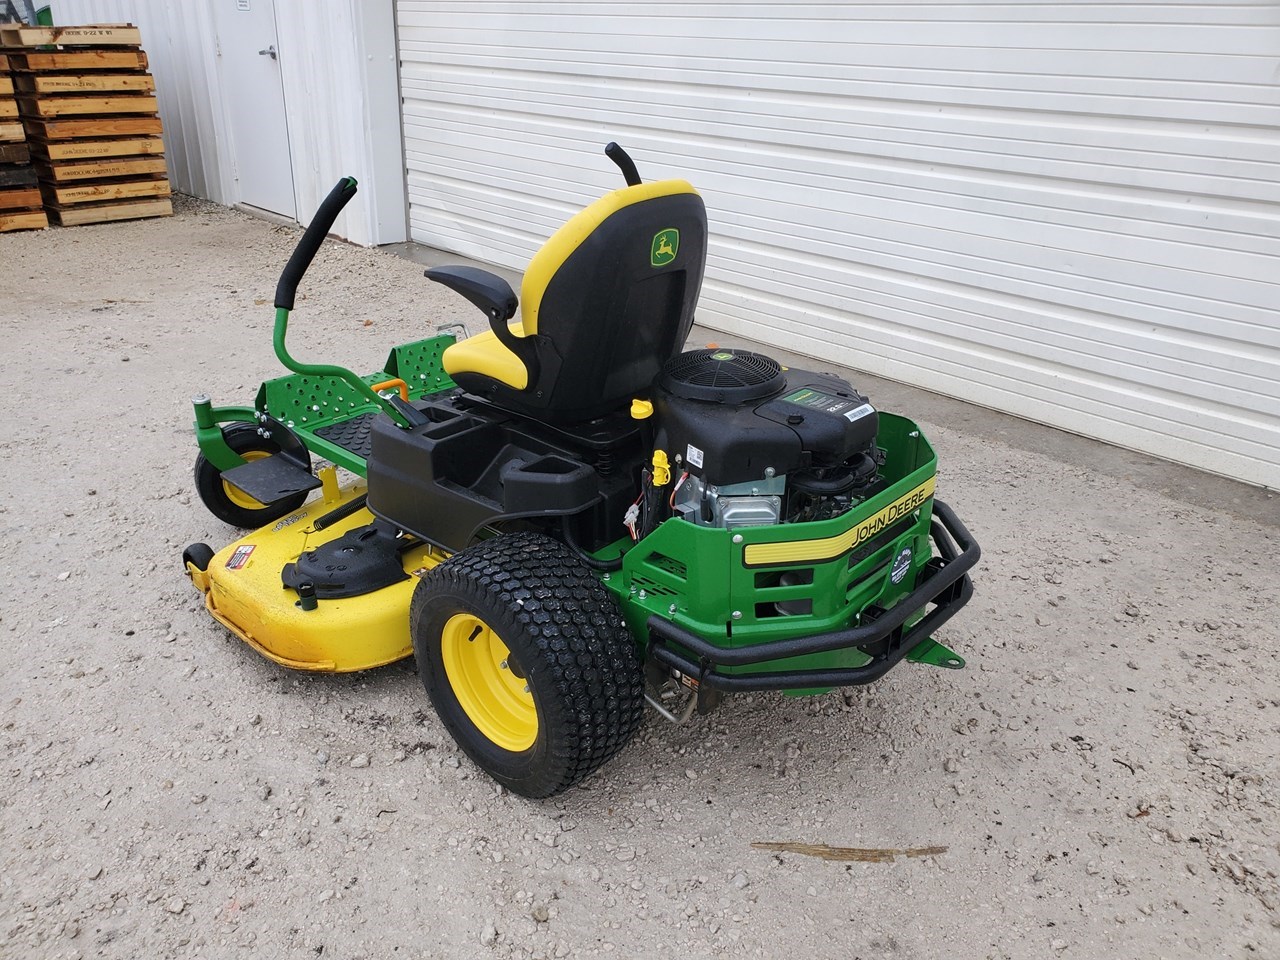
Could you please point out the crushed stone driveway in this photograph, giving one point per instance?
(1102, 780)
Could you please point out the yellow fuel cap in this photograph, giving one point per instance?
(641, 409)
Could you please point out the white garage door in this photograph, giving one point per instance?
(1066, 211)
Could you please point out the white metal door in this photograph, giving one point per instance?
(254, 100)
(1066, 211)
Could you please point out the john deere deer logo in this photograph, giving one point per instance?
(665, 246)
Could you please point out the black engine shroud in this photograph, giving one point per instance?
(727, 431)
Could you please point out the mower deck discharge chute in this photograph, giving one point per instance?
(566, 516)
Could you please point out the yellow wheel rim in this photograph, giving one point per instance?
(493, 696)
(239, 497)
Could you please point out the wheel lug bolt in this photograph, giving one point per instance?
(526, 688)
(503, 665)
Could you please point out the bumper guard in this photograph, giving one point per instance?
(945, 584)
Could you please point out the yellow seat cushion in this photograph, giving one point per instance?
(485, 354)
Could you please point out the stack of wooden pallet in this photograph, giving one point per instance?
(19, 193)
(89, 108)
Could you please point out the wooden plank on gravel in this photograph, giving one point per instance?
(64, 195)
(96, 149)
(101, 169)
(106, 212)
(78, 60)
(23, 220)
(83, 82)
(97, 35)
(14, 153)
(96, 127)
(19, 198)
(18, 175)
(86, 106)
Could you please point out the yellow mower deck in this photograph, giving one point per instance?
(243, 591)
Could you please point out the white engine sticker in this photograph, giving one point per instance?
(694, 456)
(901, 565)
(857, 413)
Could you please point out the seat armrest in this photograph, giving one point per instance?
(486, 290)
(494, 296)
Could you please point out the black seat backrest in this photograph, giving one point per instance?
(607, 301)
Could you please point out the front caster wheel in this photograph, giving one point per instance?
(528, 662)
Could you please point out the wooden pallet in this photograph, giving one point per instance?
(101, 169)
(91, 128)
(6, 85)
(4, 63)
(65, 195)
(80, 60)
(107, 212)
(96, 149)
(45, 83)
(14, 153)
(98, 35)
(89, 109)
(53, 107)
(23, 220)
(8, 108)
(11, 130)
(18, 175)
(19, 198)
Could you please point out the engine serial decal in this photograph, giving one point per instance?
(828, 548)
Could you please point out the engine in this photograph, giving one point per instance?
(750, 443)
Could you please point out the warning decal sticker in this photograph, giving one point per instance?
(240, 557)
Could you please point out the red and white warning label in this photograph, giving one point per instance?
(240, 557)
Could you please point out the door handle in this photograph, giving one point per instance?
(269, 52)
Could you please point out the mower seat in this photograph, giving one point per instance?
(606, 302)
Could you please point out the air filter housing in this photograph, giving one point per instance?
(722, 376)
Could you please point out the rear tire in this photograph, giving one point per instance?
(528, 662)
(226, 502)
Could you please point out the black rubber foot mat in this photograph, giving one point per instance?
(271, 478)
(351, 435)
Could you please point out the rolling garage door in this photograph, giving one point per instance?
(1066, 211)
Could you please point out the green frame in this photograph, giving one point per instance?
(317, 395)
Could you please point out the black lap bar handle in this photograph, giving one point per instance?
(624, 162)
(305, 252)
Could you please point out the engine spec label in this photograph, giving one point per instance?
(901, 565)
(816, 400)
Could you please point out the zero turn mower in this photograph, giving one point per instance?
(567, 516)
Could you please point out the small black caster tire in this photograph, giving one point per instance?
(198, 555)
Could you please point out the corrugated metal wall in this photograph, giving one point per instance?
(337, 60)
(178, 41)
(1061, 210)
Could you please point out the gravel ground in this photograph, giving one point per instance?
(1103, 776)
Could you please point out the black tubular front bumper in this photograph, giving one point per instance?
(945, 584)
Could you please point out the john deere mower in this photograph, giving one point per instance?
(569, 515)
